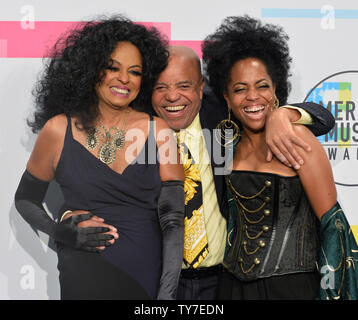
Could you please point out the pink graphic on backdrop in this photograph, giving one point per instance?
(3, 48)
(17, 42)
(195, 45)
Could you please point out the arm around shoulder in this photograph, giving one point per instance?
(323, 121)
(316, 174)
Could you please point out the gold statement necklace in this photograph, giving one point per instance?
(112, 139)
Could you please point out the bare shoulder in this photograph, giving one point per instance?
(55, 127)
(316, 163)
(160, 123)
(170, 166)
(316, 173)
(302, 131)
(163, 131)
(305, 134)
(137, 119)
(49, 143)
(140, 118)
(53, 133)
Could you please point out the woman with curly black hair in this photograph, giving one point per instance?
(273, 238)
(242, 37)
(98, 139)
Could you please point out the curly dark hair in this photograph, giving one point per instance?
(242, 37)
(77, 64)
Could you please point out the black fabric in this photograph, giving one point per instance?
(171, 219)
(323, 120)
(276, 230)
(29, 196)
(28, 201)
(201, 273)
(127, 201)
(199, 288)
(81, 272)
(298, 286)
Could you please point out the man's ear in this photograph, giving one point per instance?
(201, 88)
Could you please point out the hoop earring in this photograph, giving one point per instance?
(275, 104)
(227, 124)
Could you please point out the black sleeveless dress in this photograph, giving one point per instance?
(131, 267)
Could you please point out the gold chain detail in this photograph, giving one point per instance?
(252, 211)
(252, 221)
(267, 184)
(253, 237)
(251, 252)
(248, 270)
(256, 262)
(244, 212)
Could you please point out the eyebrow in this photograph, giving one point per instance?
(177, 83)
(184, 82)
(160, 84)
(258, 81)
(132, 66)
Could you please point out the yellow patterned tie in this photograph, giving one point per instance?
(195, 238)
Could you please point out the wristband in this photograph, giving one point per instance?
(305, 119)
(64, 215)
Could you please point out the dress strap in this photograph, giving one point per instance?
(151, 143)
(69, 135)
(151, 126)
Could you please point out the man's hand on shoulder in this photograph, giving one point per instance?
(281, 138)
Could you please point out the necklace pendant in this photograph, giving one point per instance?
(119, 139)
(111, 141)
(107, 153)
(92, 140)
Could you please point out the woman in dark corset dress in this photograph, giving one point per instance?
(99, 141)
(273, 237)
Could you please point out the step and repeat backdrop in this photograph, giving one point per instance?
(325, 70)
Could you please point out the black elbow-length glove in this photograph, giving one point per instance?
(28, 201)
(171, 219)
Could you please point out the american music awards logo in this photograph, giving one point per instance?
(338, 93)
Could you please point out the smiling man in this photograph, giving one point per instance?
(177, 98)
(179, 89)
